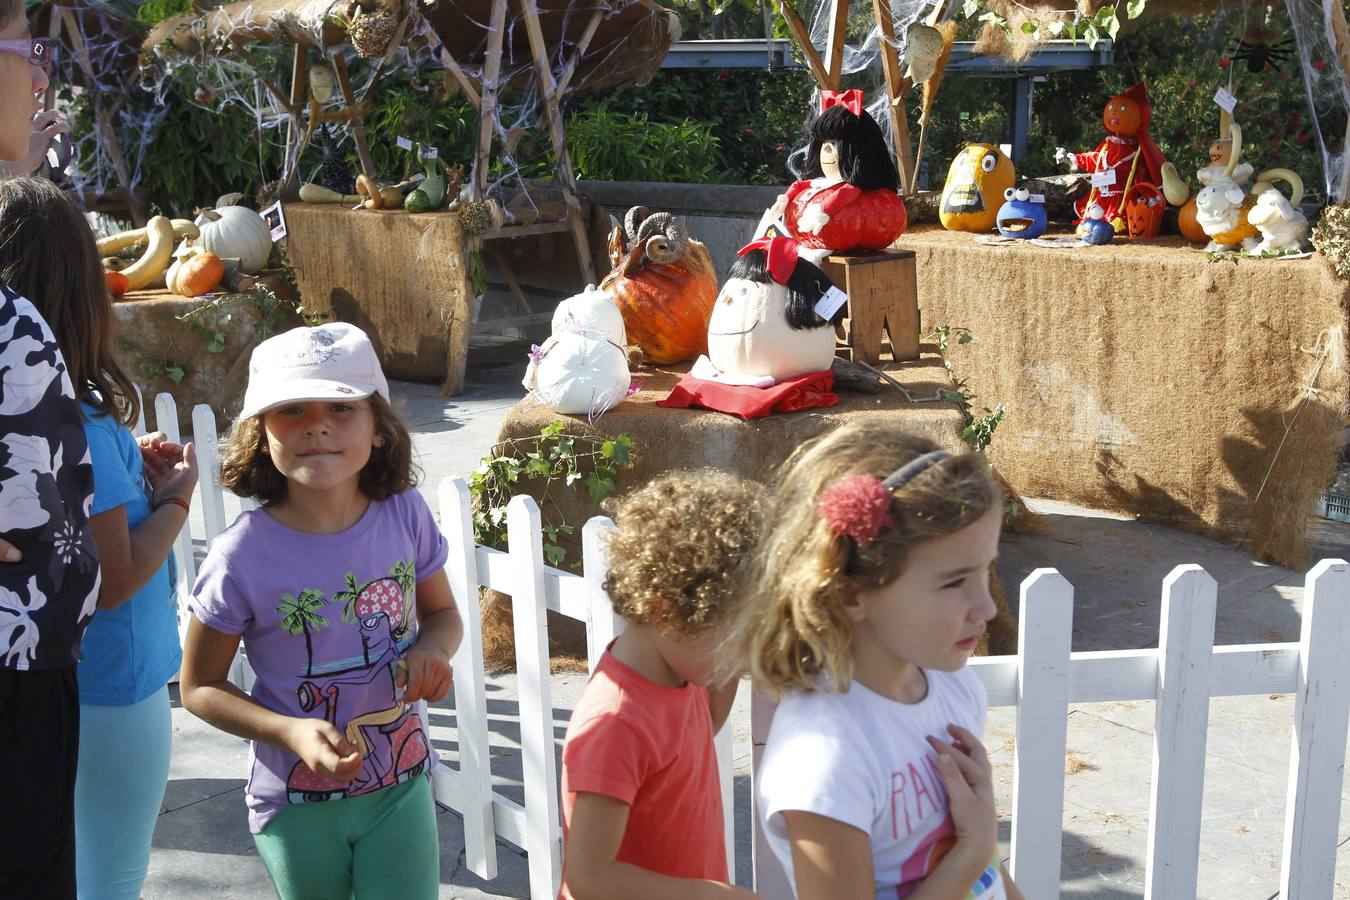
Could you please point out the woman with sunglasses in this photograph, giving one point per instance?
(26, 130)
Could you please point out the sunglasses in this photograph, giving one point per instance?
(38, 51)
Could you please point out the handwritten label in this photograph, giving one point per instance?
(1104, 178)
(431, 153)
(403, 143)
(1037, 198)
(1226, 101)
(276, 221)
(829, 304)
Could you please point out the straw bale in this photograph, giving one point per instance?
(667, 439)
(1143, 378)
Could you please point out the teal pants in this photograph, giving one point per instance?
(374, 846)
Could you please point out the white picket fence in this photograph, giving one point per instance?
(1041, 681)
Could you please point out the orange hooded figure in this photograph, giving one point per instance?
(1126, 117)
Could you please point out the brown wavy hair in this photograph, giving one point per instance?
(247, 470)
(48, 254)
(796, 627)
(677, 545)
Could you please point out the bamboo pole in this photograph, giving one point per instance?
(803, 37)
(897, 87)
(583, 44)
(487, 110)
(834, 44)
(358, 124)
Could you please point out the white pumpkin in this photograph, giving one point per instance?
(592, 310)
(236, 231)
(578, 373)
(749, 337)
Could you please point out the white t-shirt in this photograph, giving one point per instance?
(862, 759)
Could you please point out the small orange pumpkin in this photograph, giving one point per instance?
(199, 274)
(117, 282)
(1189, 227)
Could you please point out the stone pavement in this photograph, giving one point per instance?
(202, 846)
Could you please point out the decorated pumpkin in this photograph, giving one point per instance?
(1022, 215)
(1144, 208)
(765, 328)
(591, 310)
(664, 284)
(977, 181)
(235, 232)
(848, 197)
(1127, 153)
(578, 373)
(1094, 229)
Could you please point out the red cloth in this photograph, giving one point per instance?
(859, 220)
(809, 391)
(650, 746)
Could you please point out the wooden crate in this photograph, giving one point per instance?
(883, 299)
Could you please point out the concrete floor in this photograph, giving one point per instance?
(202, 846)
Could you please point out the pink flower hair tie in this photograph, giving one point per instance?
(859, 506)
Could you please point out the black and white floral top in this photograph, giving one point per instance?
(46, 486)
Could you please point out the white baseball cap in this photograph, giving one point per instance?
(335, 361)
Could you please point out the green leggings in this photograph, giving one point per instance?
(376, 845)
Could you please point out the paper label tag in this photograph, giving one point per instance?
(430, 153)
(1225, 100)
(1104, 178)
(403, 143)
(1037, 198)
(276, 220)
(829, 304)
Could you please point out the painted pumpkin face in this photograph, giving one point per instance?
(1144, 207)
(1019, 217)
(748, 334)
(1121, 115)
(976, 182)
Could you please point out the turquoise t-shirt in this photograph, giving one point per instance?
(131, 651)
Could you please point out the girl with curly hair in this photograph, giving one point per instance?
(642, 810)
(871, 589)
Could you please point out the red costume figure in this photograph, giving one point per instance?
(1126, 119)
(849, 199)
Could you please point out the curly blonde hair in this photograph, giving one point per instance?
(676, 548)
(247, 470)
(796, 627)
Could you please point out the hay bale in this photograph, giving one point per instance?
(666, 439)
(1142, 378)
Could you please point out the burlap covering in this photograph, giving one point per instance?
(666, 439)
(1143, 378)
(401, 277)
(150, 336)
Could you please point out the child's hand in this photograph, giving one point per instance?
(324, 749)
(970, 791)
(170, 468)
(423, 674)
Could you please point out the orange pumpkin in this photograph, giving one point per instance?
(1190, 229)
(665, 306)
(117, 282)
(199, 274)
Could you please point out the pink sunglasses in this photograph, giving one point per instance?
(38, 51)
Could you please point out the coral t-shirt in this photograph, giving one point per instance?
(650, 746)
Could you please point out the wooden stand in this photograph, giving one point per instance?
(883, 296)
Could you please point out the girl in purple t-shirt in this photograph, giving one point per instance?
(337, 590)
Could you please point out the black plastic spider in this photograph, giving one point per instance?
(1260, 55)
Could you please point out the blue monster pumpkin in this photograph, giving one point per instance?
(1020, 216)
(1094, 228)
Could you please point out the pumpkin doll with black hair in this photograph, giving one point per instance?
(848, 197)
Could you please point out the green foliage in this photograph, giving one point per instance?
(152, 12)
(979, 429)
(550, 460)
(152, 367)
(620, 146)
(217, 311)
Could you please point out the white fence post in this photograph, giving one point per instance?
(1044, 641)
(727, 782)
(208, 465)
(1185, 648)
(770, 877)
(543, 836)
(166, 420)
(471, 719)
(603, 624)
(1321, 713)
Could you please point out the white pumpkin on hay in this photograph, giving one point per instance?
(582, 369)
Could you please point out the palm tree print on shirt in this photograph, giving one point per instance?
(301, 614)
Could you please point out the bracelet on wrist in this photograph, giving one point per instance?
(176, 501)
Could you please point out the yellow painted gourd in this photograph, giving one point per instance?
(973, 193)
